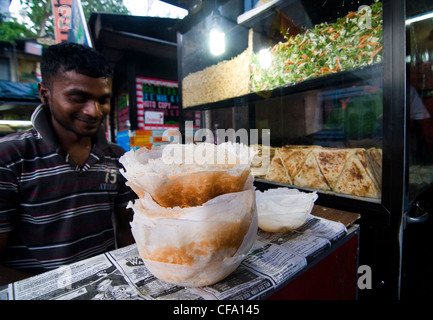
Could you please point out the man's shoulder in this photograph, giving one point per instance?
(16, 144)
(18, 137)
(115, 150)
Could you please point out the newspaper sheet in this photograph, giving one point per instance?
(121, 274)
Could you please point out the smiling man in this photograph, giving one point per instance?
(62, 197)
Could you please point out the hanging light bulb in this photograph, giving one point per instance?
(217, 41)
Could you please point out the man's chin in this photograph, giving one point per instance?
(87, 130)
(84, 133)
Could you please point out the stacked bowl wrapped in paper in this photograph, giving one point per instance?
(195, 218)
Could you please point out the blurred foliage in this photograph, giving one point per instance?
(13, 30)
(40, 19)
(40, 13)
(113, 6)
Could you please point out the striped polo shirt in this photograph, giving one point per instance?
(56, 212)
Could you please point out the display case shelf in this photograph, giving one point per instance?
(339, 79)
(250, 17)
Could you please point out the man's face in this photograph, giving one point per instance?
(78, 103)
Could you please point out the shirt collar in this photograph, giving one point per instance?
(41, 121)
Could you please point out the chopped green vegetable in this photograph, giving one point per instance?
(348, 43)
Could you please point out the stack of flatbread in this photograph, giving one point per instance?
(353, 171)
(262, 159)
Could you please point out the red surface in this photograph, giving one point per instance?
(333, 278)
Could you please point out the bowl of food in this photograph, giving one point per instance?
(195, 246)
(194, 221)
(283, 209)
(187, 175)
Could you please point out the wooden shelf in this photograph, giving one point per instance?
(345, 217)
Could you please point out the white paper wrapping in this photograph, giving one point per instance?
(283, 209)
(187, 174)
(195, 246)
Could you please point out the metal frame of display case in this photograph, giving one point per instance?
(394, 142)
(381, 223)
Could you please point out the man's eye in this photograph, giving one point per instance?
(78, 99)
(104, 101)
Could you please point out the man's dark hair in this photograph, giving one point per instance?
(67, 56)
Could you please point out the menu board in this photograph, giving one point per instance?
(157, 102)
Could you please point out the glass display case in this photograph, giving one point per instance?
(305, 73)
(336, 102)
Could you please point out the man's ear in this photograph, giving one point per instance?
(44, 93)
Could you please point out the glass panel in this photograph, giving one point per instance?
(419, 32)
(343, 117)
(310, 72)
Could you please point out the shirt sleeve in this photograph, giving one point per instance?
(125, 195)
(8, 198)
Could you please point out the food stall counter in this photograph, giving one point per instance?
(276, 267)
